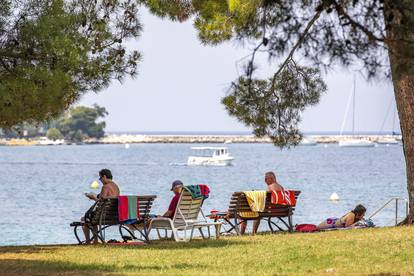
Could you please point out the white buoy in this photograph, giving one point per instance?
(95, 185)
(325, 146)
(127, 146)
(334, 197)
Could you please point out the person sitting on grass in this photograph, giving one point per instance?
(348, 220)
(176, 188)
(272, 185)
(109, 189)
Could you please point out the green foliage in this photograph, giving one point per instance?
(74, 125)
(217, 21)
(273, 107)
(52, 52)
(24, 130)
(215, 26)
(176, 10)
(54, 134)
(82, 122)
(9, 133)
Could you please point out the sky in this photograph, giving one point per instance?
(181, 82)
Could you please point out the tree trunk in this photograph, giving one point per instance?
(399, 26)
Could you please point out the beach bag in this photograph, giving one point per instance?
(306, 228)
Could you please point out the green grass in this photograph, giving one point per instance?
(387, 251)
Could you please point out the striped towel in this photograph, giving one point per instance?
(256, 201)
(128, 209)
(198, 191)
(283, 198)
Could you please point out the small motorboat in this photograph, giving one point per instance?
(43, 141)
(210, 156)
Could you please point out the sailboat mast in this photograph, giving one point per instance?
(353, 110)
(393, 121)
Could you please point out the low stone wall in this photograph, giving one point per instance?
(130, 139)
(198, 139)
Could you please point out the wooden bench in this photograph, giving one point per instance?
(283, 213)
(104, 214)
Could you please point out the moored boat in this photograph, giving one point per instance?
(210, 156)
(387, 141)
(353, 142)
(307, 142)
(359, 143)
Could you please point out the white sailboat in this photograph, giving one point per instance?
(356, 143)
(353, 142)
(388, 140)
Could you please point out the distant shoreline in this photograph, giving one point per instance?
(244, 133)
(196, 139)
(218, 139)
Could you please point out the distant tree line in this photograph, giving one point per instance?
(53, 52)
(75, 125)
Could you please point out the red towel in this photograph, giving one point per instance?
(128, 208)
(205, 190)
(283, 198)
(122, 208)
(306, 228)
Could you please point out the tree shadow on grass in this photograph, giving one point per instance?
(155, 244)
(42, 267)
(194, 244)
(30, 249)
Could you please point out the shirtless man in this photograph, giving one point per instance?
(271, 182)
(272, 185)
(109, 189)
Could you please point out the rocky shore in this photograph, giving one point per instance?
(123, 139)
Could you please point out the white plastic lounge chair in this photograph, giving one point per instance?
(188, 216)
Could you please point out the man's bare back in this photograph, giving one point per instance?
(275, 187)
(110, 189)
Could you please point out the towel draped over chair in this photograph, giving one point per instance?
(128, 209)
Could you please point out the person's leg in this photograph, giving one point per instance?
(256, 224)
(243, 226)
(95, 229)
(87, 234)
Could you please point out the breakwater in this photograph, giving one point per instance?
(217, 139)
(196, 139)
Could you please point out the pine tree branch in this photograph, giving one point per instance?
(298, 43)
(370, 34)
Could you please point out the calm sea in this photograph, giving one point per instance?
(42, 187)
